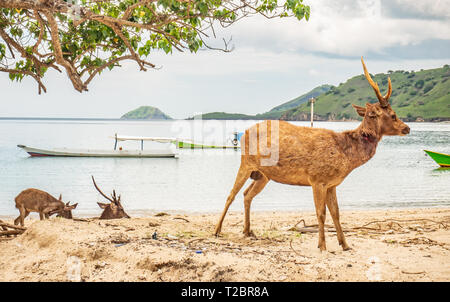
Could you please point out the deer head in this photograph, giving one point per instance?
(63, 210)
(112, 210)
(66, 212)
(379, 119)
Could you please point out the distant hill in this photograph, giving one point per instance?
(223, 116)
(146, 113)
(275, 113)
(303, 98)
(421, 95)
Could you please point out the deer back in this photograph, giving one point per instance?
(34, 200)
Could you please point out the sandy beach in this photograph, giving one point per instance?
(387, 245)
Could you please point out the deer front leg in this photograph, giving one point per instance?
(334, 211)
(319, 192)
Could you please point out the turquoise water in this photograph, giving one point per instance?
(399, 175)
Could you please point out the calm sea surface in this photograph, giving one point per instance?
(399, 175)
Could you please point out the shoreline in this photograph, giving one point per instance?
(111, 119)
(151, 213)
(387, 245)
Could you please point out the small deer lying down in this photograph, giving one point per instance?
(34, 200)
(319, 158)
(112, 210)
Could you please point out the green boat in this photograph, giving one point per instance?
(189, 145)
(442, 159)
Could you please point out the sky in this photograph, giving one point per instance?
(273, 61)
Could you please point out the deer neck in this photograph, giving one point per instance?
(361, 144)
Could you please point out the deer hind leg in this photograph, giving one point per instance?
(256, 187)
(334, 211)
(241, 178)
(319, 192)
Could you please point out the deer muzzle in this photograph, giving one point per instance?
(406, 130)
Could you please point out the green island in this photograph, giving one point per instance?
(146, 113)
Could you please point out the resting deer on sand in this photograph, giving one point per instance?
(34, 200)
(319, 158)
(112, 210)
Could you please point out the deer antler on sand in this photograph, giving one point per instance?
(112, 210)
(319, 158)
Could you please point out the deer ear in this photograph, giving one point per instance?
(360, 110)
(74, 206)
(102, 205)
(60, 197)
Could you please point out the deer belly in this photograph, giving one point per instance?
(296, 177)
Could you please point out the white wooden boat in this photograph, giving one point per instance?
(166, 152)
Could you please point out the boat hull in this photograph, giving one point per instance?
(34, 152)
(441, 159)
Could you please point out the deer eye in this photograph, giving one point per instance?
(394, 117)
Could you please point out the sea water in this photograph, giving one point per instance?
(399, 175)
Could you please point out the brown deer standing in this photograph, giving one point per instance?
(34, 200)
(319, 158)
(113, 210)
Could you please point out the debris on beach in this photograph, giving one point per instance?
(161, 214)
(7, 230)
(120, 238)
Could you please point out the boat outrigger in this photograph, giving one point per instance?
(166, 152)
(190, 144)
(441, 159)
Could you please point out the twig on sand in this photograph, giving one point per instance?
(7, 225)
(161, 214)
(392, 224)
(290, 244)
(81, 219)
(313, 228)
(440, 224)
(11, 232)
(413, 273)
(9, 229)
(181, 218)
(193, 240)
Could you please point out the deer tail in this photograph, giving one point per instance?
(255, 175)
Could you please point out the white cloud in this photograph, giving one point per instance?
(436, 8)
(343, 28)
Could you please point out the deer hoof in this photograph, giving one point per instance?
(322, 248)
(249, 234)
(346, 248)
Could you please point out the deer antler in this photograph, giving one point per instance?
(114, 196)
(382, 99)
(101, 191)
